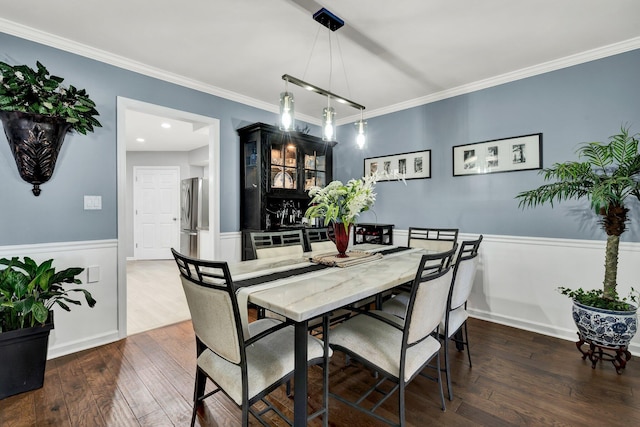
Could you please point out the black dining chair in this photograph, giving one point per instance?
(434, 239)
(246, 362)
(318, 239)
(399, 349)
(270, 244)
(453, 326)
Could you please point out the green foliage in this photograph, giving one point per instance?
(29, 290)
(607, 175)
(595, 298)
(36, 91)
(340, 202)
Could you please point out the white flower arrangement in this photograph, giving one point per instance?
(342, 203)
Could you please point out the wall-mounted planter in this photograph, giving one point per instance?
(35, 142)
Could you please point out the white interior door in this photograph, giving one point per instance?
(156, 211)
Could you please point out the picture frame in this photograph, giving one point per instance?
(517, 153)
(412, 165)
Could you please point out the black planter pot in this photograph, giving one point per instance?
(35, 142)
(23, 358)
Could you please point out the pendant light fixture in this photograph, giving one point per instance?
(332, 22)
(287, 110)
(361, 131)
(328, 122)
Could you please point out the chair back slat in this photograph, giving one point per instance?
(211, 298)
(317, 234)
(434, 239)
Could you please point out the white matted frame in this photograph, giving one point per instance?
(517, 153)
(414, 165)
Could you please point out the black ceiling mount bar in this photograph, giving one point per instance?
(316, 89)
(328, 19)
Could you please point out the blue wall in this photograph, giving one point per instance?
(582, 103)
(587, 102)
(87, 164)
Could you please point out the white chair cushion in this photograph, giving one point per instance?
(464, 281)
(432, 245)
(268, 360)
(456, 318)
(213, 307)
(278, 251)
(380, 343)
(323, 247)
(397, 305)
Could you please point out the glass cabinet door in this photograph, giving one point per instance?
(314, 170)
(250, 165)
(284, 167)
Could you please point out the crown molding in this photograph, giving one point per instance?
(545, 67)
(81, 49)
(67, 45)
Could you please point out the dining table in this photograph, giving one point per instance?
(301, 289)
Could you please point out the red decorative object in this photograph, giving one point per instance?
(340, 237)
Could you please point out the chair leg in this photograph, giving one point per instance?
(444, 407)
(245, 414)
(466, 342)
(401, 402)
(198, 392)
(447, 368)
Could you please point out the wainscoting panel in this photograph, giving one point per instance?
(82, 327)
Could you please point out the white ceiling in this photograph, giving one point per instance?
(163, 133)
(395, 53)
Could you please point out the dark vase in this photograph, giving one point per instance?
(340, 237)
(35, 142)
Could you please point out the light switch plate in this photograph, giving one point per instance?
(93, 274)
(92, 202)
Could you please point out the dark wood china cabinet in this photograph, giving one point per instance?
(276, 170)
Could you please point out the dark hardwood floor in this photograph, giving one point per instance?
(518, 378)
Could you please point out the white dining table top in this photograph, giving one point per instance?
(313, 294)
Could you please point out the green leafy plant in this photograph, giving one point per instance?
(594, 298)
(608, 175)
(36, 91)
(29, 290)
(340, 202)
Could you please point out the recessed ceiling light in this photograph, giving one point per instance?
(139, 139)
(166, 125)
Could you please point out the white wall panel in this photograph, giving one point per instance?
(82, 327)
(515, 285)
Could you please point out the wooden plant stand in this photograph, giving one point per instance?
(618, 356)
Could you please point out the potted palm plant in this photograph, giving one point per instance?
(28, 292)
(37, 111)
(608, 175)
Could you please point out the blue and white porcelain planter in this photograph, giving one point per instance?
(608, 328)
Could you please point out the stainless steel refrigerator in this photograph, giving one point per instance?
(194, 214)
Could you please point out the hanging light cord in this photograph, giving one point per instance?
(315, 40)
(344, 70)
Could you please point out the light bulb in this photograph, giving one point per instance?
(361, 127)
(287, 111)
(328, 130)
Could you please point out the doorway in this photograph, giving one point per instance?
(212, 172)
